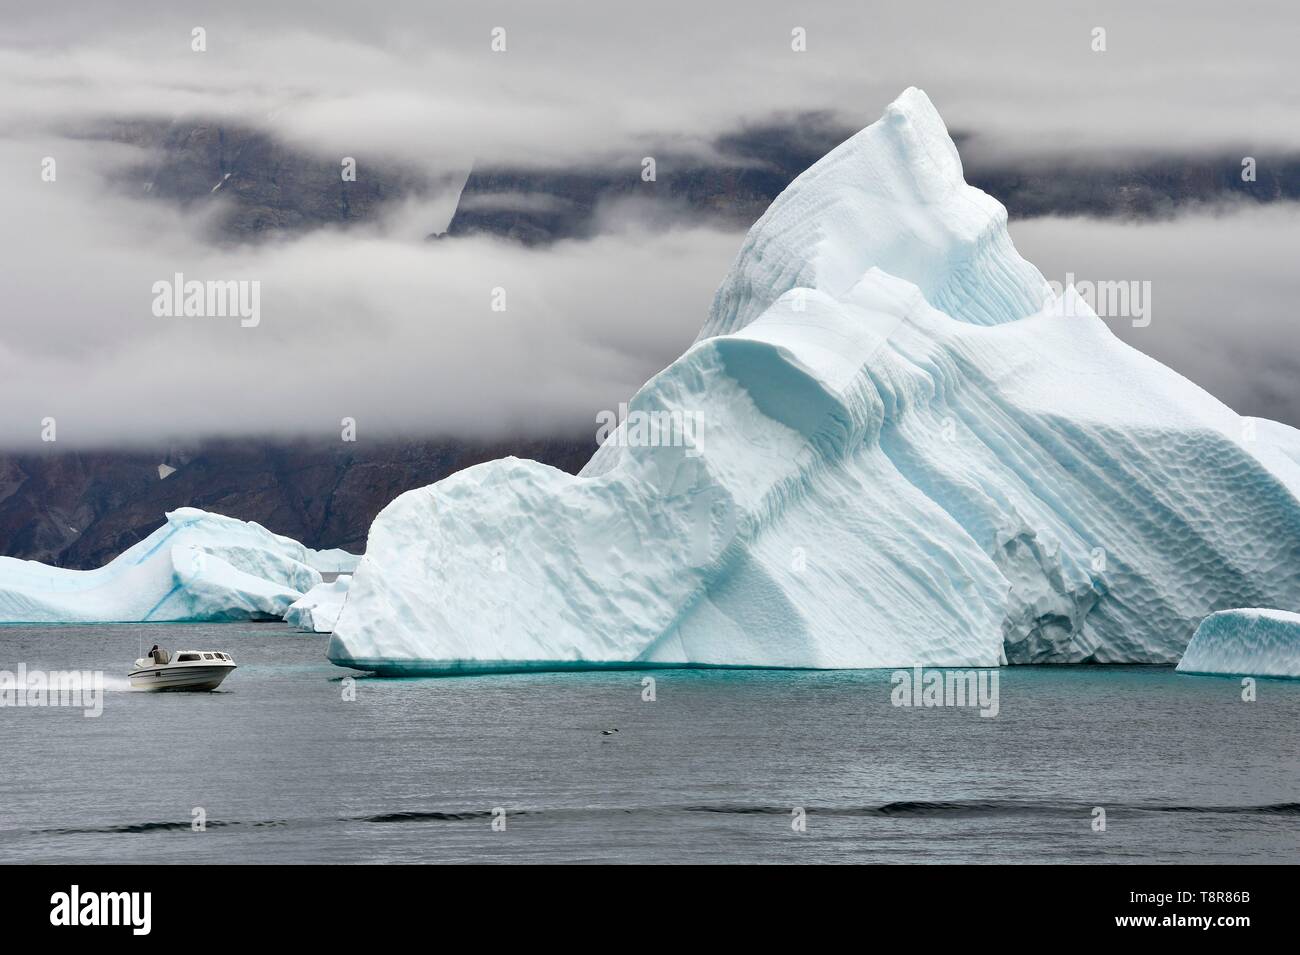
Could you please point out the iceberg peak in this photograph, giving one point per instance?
(891, 197)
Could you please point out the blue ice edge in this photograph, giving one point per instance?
(452, 668)
(1235, 675)
(398, 668)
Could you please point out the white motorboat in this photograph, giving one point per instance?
(182, 670)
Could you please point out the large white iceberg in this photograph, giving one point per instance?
(1252, 642)
(891, 445)
(317, 611)
(197, 566)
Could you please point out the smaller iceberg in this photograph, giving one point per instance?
(318, 610)
(198, 566)
(1250, 642)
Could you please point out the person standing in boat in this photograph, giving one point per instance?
(159, 655)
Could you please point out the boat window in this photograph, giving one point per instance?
(207, 656)
(188, 657)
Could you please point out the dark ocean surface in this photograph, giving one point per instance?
(715, 769)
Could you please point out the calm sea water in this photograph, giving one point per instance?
(286, 770)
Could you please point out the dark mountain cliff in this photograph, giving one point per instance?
(80, 509)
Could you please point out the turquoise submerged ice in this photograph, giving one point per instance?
(1251, 642)
(197, 566)
(897, 447)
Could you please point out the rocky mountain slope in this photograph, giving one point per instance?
(80, 510)
(268, 187)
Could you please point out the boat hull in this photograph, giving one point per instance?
(196, 678)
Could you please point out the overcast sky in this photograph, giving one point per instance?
(420, 78)
(382, 326)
